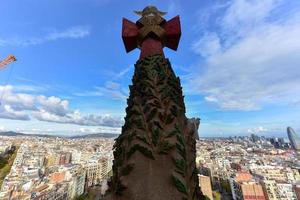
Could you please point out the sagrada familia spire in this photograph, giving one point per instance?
(154, 157)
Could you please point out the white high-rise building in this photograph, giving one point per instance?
(97, 170)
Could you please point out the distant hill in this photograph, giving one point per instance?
(10, 133)
(96, 135)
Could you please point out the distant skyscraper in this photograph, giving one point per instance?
(294, 139)
(254, 138)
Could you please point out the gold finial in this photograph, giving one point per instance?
(150, 11)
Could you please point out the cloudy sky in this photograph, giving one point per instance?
(238, 61)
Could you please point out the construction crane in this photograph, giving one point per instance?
(3, 64)
(7, 61)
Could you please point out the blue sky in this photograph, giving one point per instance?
(238, 61)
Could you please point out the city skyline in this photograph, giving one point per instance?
(64, 168)
(72, 73)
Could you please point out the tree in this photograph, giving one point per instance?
(216, 195)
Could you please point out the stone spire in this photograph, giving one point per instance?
(154, 157)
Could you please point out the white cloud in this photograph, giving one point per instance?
(93, 130)
(116, 94)
(110, 89)
(75, 32)
(207, 45)
(257, 130)
(243, 15)
(53, 105)
(72, 33)
(17, 101)
(9, 113)
(21, 106)
(173, 8)
(120, 74)
(91, 93)
(75, 117)
(258, 67)
(112, 85)
(29, 88)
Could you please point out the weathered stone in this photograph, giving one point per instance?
(154, 157)
(155, 154)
